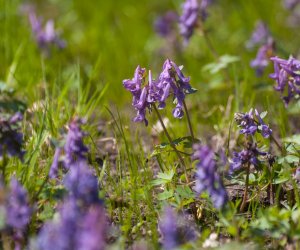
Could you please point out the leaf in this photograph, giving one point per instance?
(185, 192)
(263, 114)
(165, 195)
(222, 63)
(163, 178)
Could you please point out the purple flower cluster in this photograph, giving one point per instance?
(189, 18)
(207, 176)
(287, 75)
(246, 156)
(74, 229)
(259, 36)
(203, 8)
(82, 184)
(18, 211)
(164, 25)
(74, 148)
(171, 81)
(290, 4)
(251, 123)
(47, 36)
(11, 139)
(173, 229)
(81, 220)
(262, 37)
(263, 57)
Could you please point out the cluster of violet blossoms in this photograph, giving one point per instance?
(174, 229)
(251, 123)
(246, 156)
(17, 211)
(11, 139)
(287, 75)
(171, 81)
(207, 176)
(261, 37)
(290, 4)
(81, 221)
(45, 36)
(74, 148)
(191, 11)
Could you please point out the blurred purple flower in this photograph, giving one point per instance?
(91, 234)
(168, 227)
(74, 229)
(45, 36)
(251, 123)
(244, 157)
(189, 18)
(287, 75)
(74, 148)
(259, 36)
(207, 176)
(263, 57)
(203, 8)
(82, 184)
(11, 139)
(175, 229)
(164, 25)
(18, 211)
(290, 4)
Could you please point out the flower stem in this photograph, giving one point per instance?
(189, 121)
(246, 189)
(171, 142)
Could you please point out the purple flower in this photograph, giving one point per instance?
(18, 211)
(168, 227)
(164, 25)
(189, 19)
(251, 123)
(82, 184)
(263, 57)
(74, 148)
(244, 157)
(45, 36)
(60, 233)
(174, 229)
(170, 81)
(290, 4)
(11, 139)
(207, 176)
(203, 8)
(259, 36)
(287, 75)
(91, 234)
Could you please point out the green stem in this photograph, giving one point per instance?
(246, 189)
(171, 142)
(189, 121)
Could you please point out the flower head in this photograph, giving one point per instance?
(290, 4)
(82, 185)
(174, 230)
(251, 123)
(11, 139)
(18, 211)
(207, 176)
(259, 36)
(45, 36)
(246, 156)
(263, 57)
(189, 18)
(203, 8)
(164, 25)
(287, 75)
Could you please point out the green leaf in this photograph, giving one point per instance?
(263, 114)
(165, 195)
(185, 192)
